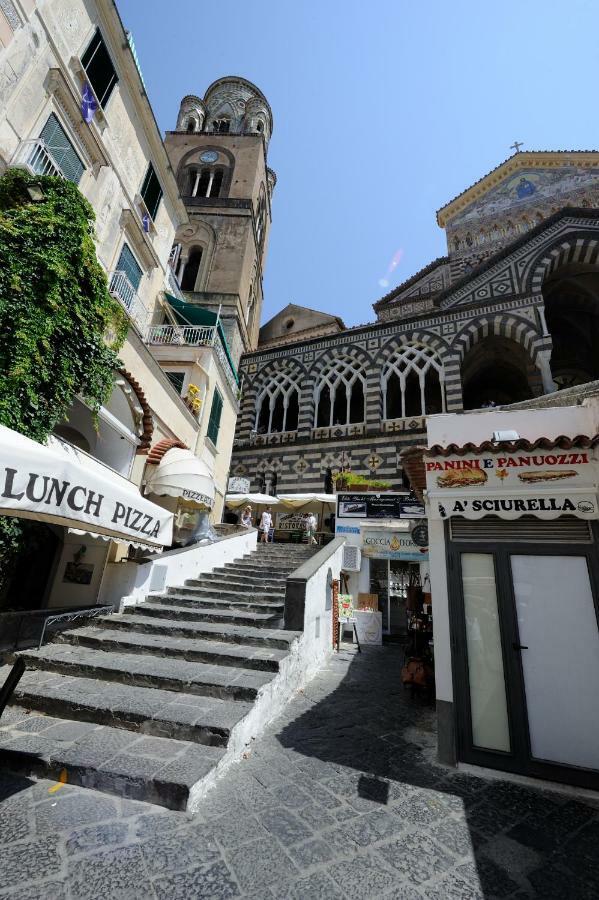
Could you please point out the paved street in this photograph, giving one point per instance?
(340, 798)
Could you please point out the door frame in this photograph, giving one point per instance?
(518, 759)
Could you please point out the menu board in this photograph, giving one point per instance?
(378, 506)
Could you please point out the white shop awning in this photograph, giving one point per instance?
(296, 501)
(235, 500)
(181, 474)
(62, 485)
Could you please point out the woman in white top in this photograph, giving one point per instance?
(246, 517)
(265, 524)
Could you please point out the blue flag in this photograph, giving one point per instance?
(145, 219)
(89, 104)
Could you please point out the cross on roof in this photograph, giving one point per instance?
(516, 146)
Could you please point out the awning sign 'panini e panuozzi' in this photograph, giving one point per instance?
(546, 484)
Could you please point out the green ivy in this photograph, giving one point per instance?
(61, 330)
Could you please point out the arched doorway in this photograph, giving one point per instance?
(497, 371)
(572, 315)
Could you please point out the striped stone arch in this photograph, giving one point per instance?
(571, 248)
(292, 367)
(332, 354)
(425, 338)
(504, 325)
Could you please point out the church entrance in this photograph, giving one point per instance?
(497, 371)
(572, 316)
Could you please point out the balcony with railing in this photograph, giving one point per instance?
(35, 157)
(121, 288)
(195, 336)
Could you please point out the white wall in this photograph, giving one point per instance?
(65, 593)
(440, 600)
(128, 583)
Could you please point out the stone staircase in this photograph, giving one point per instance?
(149, 703)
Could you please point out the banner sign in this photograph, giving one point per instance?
(293, 521)
(544, 484)
(382, 543)
(378, 506)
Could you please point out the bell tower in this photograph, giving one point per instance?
(219, 154)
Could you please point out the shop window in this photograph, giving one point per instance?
(151, 191)
(99, 69)
(215, 415)
(61, 150)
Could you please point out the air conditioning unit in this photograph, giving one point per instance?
(352, 559)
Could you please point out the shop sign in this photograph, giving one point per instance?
(293, 521)
(379, 543)
(238, 485)
(378, 506)
(544, 484)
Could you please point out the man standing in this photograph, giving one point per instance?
(265, 525)
(311, 528)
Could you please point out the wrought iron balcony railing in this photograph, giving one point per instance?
(194, 336)
(121, 288)
(35, 157)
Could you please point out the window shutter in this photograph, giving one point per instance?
(129, 265)
(215, 414)
(99, 68)
(61, 150)
(151, 191)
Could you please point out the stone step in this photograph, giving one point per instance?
(241, 656)
(233, 595)
(202, 630)
(223, 616)
(226, 682)
(239, 583)
(240, 574)
(156, 770)
(209, 603)
(266, 571)
(184, 717)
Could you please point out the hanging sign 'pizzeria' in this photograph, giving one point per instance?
(546, 484)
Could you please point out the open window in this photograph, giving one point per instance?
(99, 69)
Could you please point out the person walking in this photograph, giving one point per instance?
(265, 524)
(246, 517)
(311, 528)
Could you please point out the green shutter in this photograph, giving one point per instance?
(215, 414)
(61, 150)
(151, 191)
(129, 265)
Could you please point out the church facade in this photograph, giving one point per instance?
(510, 313)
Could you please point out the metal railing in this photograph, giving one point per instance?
(191, 335)
(172, 284)
(121, 288)
(194, 336)
(35, 157)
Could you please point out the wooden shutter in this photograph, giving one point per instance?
(61, 150)
(215, 414)
(129, 265)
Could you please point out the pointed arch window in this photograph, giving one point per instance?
(412, 383)
(339, 398)
(277, 407)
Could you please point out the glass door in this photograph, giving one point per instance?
(559, 649)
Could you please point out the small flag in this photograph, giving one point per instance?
(145, 219)
(89, 104)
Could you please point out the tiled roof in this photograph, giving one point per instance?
(563, 442)
(413, 464)
(161, 448)
(147, 418)
(522, 153)
(410, 281)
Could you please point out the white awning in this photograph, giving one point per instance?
(181, 474)
(235, 500)
(296, 501)
(60, 484)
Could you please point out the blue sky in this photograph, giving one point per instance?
(383, 111)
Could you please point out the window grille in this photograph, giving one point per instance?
(339, 398)
(412, 383)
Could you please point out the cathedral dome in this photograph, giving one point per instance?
(237, 106)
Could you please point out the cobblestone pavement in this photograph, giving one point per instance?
(342, 797)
